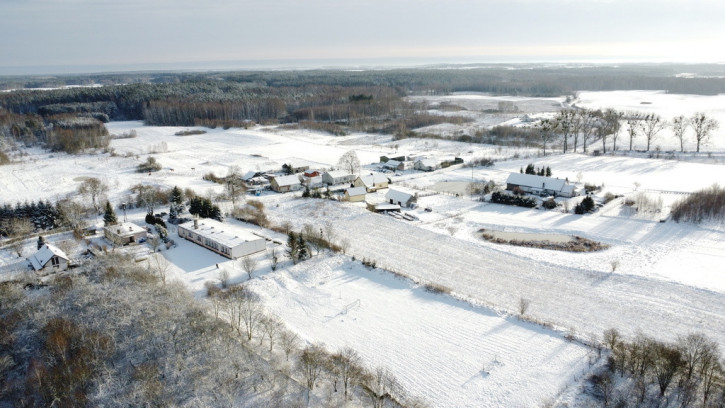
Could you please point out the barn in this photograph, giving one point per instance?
(400, 198)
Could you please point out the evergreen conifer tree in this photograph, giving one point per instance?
(41, 241)
(109, 217)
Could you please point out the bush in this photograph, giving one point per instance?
(149, 166)
(708, 204)
(549, 204)
(585, 206)
(508, 199)
(190, 132)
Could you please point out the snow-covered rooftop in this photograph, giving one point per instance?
(221, 233)
(356, 191)
(47, 251)
(287, 180)
(398, 196)
(531, 180)
(125, 229)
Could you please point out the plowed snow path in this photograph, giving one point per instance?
(586, 301)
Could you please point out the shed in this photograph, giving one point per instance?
(400, 198)
(355, 194)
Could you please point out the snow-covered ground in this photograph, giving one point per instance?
(444, 351)
(668, 279)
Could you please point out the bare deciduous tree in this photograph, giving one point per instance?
(160, 265)
(652, 124)
(381, 385)
(289, 342)
(311, 363)
(703, 127)
(234, 184)
(634, 126)
(94, 189)
(249, 264)
(346, 364)
(273, 258)
(349, 162)
(679, 128)
(546, 129)
(271, 326)
(19, 228)
(565, 119)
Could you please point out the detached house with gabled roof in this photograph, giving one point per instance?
(49, 256)
(400, 198)
(372, 182)
(283, 184)
(334, 177)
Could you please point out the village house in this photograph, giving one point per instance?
(372, 182)
(383, 207)
(295, 167)
(400, 198)
(222, 238)
(540, 185)
(283, 184)
(49, 256)
(424, 164)
(355, 194)
(335, 177)
(394, 165)
(124, 233)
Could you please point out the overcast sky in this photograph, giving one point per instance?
(118, 33)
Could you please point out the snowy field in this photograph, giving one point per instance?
(444, 351)
(468, 349)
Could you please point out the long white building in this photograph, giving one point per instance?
(224, 239)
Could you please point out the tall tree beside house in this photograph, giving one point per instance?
(176, 202)
(109, 217)
(349, 162)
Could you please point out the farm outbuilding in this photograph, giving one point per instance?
(426, 164)
(221, 238)
(283, 184)
(400, 198)
(124, 233)
(49, 256)
(533, 184)
(355, 194)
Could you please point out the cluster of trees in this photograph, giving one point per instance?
(499, 197)
(572, 126)
(204, 208)
(149, 166)
(60, 348)
(687, 372)
(40, 216)
(707, 204)
(313, 366)
(530, 169)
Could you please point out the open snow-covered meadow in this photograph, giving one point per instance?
(467, 347)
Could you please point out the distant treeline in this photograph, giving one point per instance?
(364, 100)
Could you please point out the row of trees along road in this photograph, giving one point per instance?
(573, 127)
